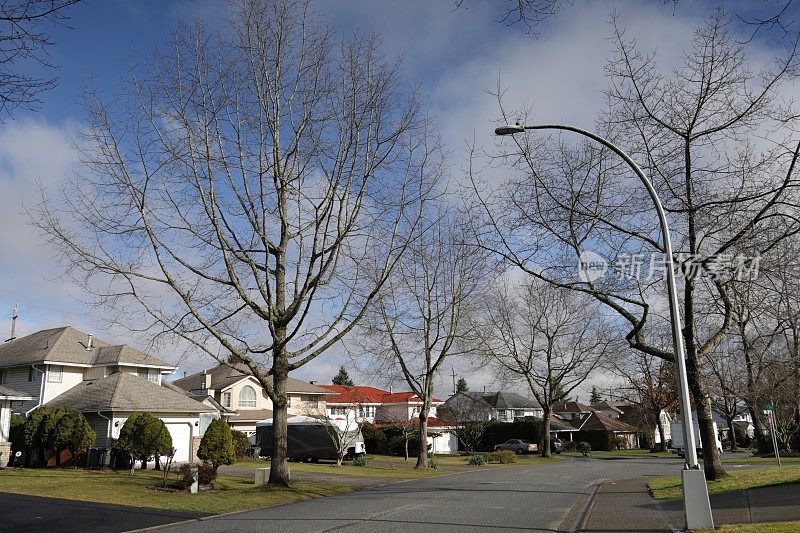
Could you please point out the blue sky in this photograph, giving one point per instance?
(452, 55)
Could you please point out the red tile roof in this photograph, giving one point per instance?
(361, 394)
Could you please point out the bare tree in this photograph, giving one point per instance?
(253, 194)
(715, 139)
(728, 384)
(342, 430)
(24, 43)
(549, 338)
(468, 415)
(418, 320)
(650, 383)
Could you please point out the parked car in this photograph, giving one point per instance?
(556, 445)
(518, 445)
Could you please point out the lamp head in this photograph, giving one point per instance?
(509, 129)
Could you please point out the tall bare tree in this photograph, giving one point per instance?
(249, 192)
(418, 321)
(546, 337)
(24, 44)
(716, 140)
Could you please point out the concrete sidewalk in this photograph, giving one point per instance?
(626, 505)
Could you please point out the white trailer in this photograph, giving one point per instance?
(676, 428)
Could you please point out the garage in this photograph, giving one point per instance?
(181, 440)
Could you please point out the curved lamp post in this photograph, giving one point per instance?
(695, 493)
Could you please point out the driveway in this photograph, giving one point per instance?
(549, 497)
(34, 514)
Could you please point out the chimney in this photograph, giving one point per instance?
(207, 379)
(89, 342)
(13, 325)
(312, 382)
(390, 389)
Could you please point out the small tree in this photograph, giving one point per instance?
(33, 436)
(143, 436)
(217, 445)
(70, 430)
(595, 397)
(241, 444)
(16, 435)
(342, 378)
(461, 385)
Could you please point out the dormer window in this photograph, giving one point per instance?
(247, 397)
(150, 374)
(55, 374)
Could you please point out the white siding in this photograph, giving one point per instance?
(5, 421)
(100, 426)
(70, 376)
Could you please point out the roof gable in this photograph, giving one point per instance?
(224, 375)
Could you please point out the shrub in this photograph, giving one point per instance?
(584, 448)
(361, 460)
(217, 444)
(71, 431)
(34, 433)
(374, 439)
(17, 434)
(502, 457)
(241, 444)
(143, 436)
(433, 464)
(621, 443)
(570, 445)
(205, 474)
(475, 459)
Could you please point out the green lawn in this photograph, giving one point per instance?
(106, 486)
(670, 487)
(747, 458)
(768, 527)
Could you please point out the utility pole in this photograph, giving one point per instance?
(13, 324)
(454, 379)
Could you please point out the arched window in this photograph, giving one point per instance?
(247, 397)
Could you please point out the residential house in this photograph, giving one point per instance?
(237, 390)
(107, 403)
(356, 402)
(400, 406)
(50, 362)
(498, 406)
(610, 408)
(8, 397)
(634, 415)
(571, 410)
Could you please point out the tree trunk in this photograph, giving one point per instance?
(406, 437)
(711, 459)
(758, 430)
(732, 431)
(660, 425)
(279, 465)
(545, 451)
(422, 457)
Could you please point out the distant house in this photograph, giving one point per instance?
(497, 406)
(356, 401)
(571, 410)
(571, 417)
(403, 406)
(634, 415)
(235, 389)
(8, 397)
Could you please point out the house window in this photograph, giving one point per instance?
(415, 411)
(338, 411)
(30, 374)
(150, 374)
(3, 377)
(226, 399)
(247, 397)
(56, 374)
(366, 411)
(313, 402)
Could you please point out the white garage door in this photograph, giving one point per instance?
(181, 440)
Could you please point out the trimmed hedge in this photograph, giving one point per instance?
(598, 440)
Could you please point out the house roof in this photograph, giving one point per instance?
(122, 391)
(405, 397)
(251, 415)
(559, 424)
(199, 397)
(11, 394)
(609, 406)
(599, 421)
(571, 407)
(433, 422)
(354, 394)
(68, 345)
(223, 376)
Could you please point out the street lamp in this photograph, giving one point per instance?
(697, 508)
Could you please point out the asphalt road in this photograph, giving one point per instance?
(35, 514)
(541, 498)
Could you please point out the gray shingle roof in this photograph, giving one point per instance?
(68, 345)
(11, 394)
(503, 400)
(125, 392)
(251, 415)
(223, 376)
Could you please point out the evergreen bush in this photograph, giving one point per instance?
(216, 446)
